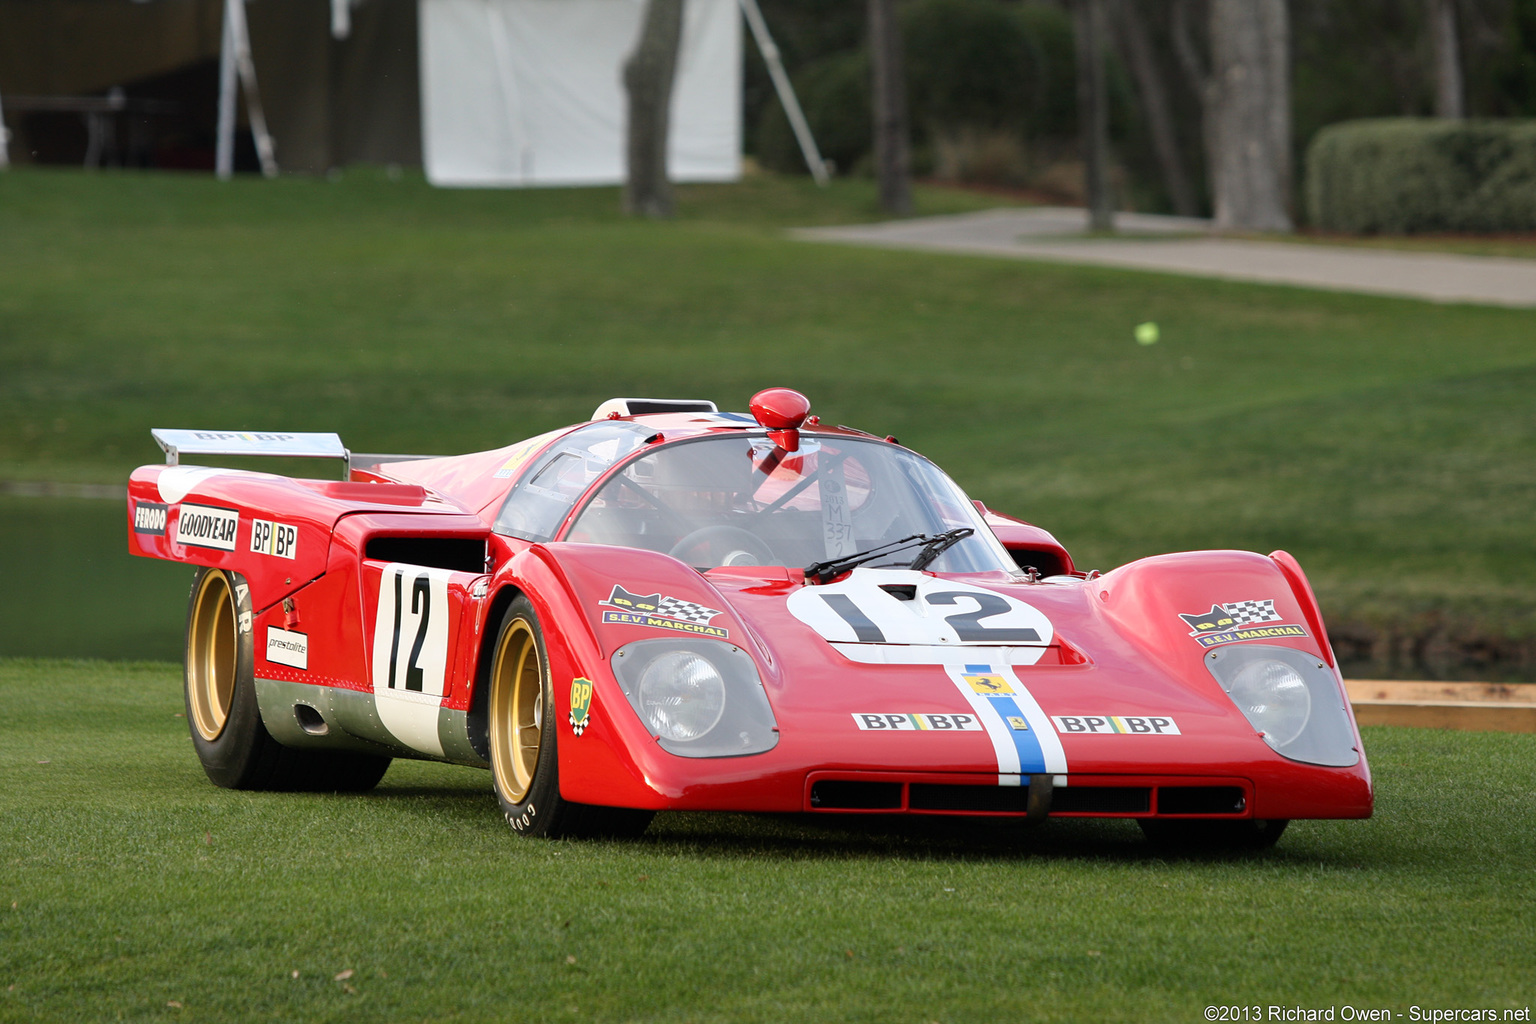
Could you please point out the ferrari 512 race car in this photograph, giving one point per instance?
(675, 608)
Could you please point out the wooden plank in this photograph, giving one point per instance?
(1476, 707)
(1378, 689)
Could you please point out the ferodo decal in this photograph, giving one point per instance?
(150, 517)
(410, 653)
(661, 612)
(278, 539)
(884, 606)
(1238, 621)
(1020, 732)
(204, 526)
(581, 704)
(915, 722)
(1122, 725)
(285, 647)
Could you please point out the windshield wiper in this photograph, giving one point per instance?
(938, 544)
(932, 547)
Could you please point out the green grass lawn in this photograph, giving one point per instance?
(1389, 444)
(128, 883)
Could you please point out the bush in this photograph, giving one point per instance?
(982, 76)
(1404, 175)
(834, 93)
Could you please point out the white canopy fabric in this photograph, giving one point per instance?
(530, 92)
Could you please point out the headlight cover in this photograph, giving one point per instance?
(1290, 698)
(699, 697)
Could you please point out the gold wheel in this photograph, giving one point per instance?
(211, 651)
(517, 710)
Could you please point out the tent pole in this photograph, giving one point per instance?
(224, 159)
(341, 19)
(264, 147)
(770, 52)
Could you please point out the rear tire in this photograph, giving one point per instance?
(233, 745)
(525, 768)
(1204, 835)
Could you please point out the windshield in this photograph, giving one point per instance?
(737, 500)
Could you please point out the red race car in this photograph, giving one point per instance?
(674, 608)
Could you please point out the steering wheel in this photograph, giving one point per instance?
(726, 545)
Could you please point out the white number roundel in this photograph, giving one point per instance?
(883, 606)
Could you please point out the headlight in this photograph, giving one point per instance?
(1274, 697)
(681, 696)
(698, 696)
(1291, 698)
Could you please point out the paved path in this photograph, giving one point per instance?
(1181, 245)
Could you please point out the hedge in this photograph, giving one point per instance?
(1405, 175)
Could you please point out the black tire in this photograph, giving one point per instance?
(219, 692)
(525, 767)
(1204, 835)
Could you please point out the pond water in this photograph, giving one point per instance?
(72, 590)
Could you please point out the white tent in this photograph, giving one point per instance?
(529, 92)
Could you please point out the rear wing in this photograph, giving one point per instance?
(176, 443)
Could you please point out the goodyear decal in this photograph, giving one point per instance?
(1020, 732)
(1122, 725)
(902, 721)
(661, 612)
(581, 704)
(204, 526)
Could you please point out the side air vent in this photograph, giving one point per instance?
(830, 794)
(459, 554)
(1200, 800)
(994, 799)
(1102, 800)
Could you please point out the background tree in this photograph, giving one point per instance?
(1246, 96)
(1093, 111)
(1133, 40)
(648, 76)
(893, 152)
(1446, 42)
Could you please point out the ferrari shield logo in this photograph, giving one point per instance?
(988, 682)
(581, 704)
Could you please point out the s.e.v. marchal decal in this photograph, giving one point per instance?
(661, 612)
(1238, 621)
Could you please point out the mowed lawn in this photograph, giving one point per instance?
(1389, 444)
(131, 888)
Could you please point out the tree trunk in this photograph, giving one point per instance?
(1449, 100)
(1136, 44)
(1093, 110)
(893, 155)
(1248, 115)
(648, 78)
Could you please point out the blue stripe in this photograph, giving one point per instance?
(1031, 758)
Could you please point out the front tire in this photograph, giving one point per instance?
(525, 767)
(232, 743)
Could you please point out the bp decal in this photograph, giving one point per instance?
(581, 704)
